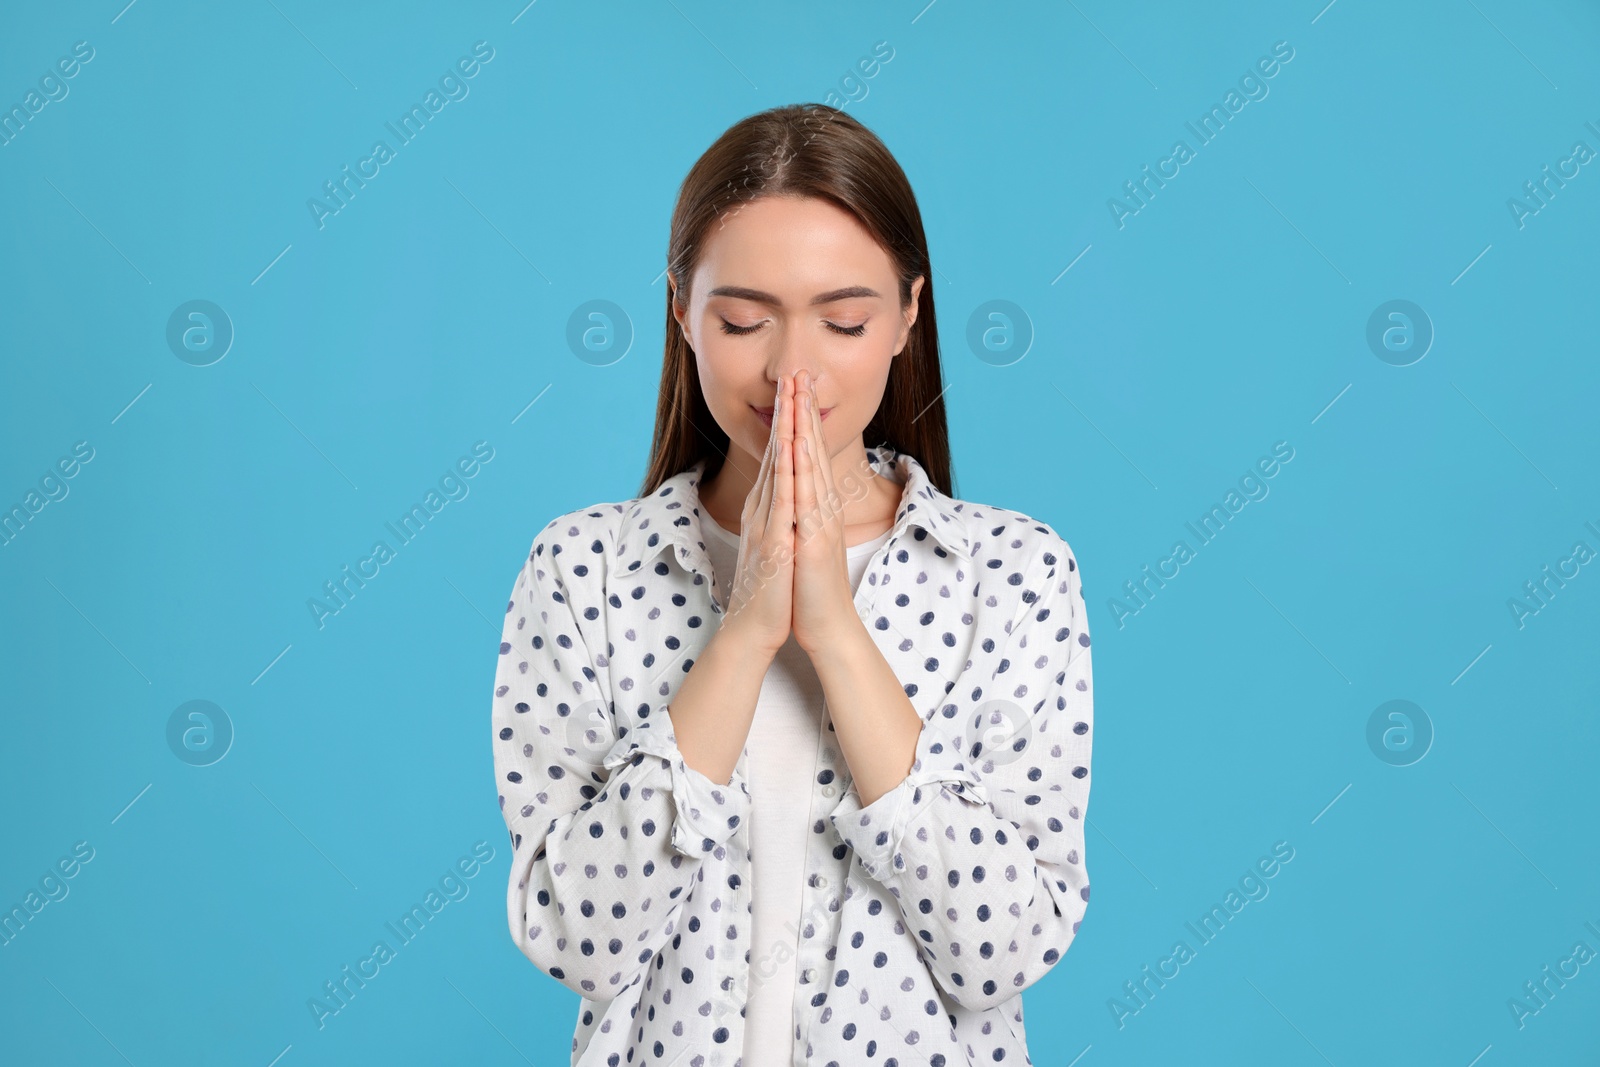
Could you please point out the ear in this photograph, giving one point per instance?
(679, 314)
(909, 316)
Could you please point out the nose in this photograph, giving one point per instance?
(788, 357)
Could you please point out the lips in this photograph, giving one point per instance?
(766, 413)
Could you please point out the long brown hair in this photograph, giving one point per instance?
(809, 150)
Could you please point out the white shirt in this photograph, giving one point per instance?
(925, 914)
(782, 748)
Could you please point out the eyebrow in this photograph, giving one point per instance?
(743, 293)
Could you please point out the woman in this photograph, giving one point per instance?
(811, 784)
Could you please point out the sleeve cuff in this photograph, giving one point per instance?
(874, 831)
(705, 813)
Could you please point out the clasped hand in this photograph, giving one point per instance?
(792, 574)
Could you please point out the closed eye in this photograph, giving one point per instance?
(848, 331)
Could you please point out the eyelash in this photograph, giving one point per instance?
(850, 331)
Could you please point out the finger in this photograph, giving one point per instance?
(805, 467)
(782, 517)
(781, 522)
(767, 482)
(750, 515)
(752, 500)
(823, 462)
(814, 496)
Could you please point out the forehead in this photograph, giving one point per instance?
(792, 245)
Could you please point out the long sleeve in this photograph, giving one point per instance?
(608, 831)
(984, 849)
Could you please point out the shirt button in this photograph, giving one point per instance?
(808, 974)
(827, 790)
(822, 882)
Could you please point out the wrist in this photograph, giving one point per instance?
(839, 640)
(744, 644)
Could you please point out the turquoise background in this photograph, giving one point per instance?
(431, 313)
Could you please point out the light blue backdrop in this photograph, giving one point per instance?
(1443, 855)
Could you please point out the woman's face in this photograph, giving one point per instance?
(786, 285)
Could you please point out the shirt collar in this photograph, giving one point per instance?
(669, 517)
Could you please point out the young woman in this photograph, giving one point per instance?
(794, 746)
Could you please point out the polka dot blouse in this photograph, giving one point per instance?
(926, 913)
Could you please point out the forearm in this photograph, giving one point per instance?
(571, 915)
(876, 724)
(981, 845)
(607, 821)
(714, 706)
(991, 904)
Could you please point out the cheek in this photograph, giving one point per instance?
(728, 379)
(859, 381)
(718, 371)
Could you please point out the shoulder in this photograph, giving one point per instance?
(1031, 576)
(1013, 542)
(576, 546)
(573, 530)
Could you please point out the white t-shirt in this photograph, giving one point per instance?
(782, 746)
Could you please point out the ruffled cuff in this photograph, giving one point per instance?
(875, 831)
(705, 813)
